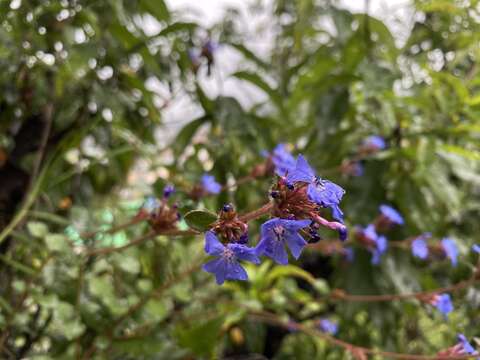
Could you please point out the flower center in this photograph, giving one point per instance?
(279, 231)
(228, 254)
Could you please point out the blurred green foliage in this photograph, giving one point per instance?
(331, 78)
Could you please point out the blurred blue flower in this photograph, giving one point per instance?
(357, 169)
(322, 192)
(302, 172)
(226, 266)
(328, 326)
(210, 185)
(443, 303)
(276, 233)
(450, 249)
(283, 160)
(391, 214)
(168, 190)
(375, 142)
(151, 204)
(349, 253)
(467, 347)
(419, 247)
(380, 244)
(476, 248)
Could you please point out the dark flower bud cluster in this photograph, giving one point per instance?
(160, 214)
(229, 227)
(207, 52)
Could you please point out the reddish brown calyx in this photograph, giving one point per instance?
(229, 227)
(164, 217)
(291, 202)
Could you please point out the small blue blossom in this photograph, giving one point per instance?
(419, 247)
(349, 253)
(302, 172)
(328, 326)
(443, 303)
(450, 249)
(276, 233)
(168, 190)
(322, 192)
(210, 185)
(476, 248)
(391, 214)
(375, 141)
(283, 160)
(151, 204)
(467, 347)
(226, 266)
(358, 169)
(380, 244)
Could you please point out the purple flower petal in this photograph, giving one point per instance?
(420, 248)
(302, 172)
(243, 252)
(217, 267)
(212, 245)
(391, 214)
(283, 160)
(276, 233)
(450, 249)
(295, 243)
(210, 185)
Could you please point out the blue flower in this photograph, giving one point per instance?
(450, 249)
(391, 214)
(467, 347)
(168, 190)
(283, 160)
(226, 266)
(357, 169)
(476, 248)
(210, 185)
(276, 233)
(150, 205)
(375, 142)
(322, 192)
(349, 253)
(443, 303)
(419, 247)
(302, 172)
(328, 326)
(379, 242)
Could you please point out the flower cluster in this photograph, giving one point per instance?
(369, 236)
(447, 248)
(160, 214)
(463, 347)
(298, 199)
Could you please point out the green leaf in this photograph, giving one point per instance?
(200, 219)
(37, 229)
(291, 270)
(56, 242)
(201, 339)
(250, 55)
(186, 134)
(260, 83)
(157, 8)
